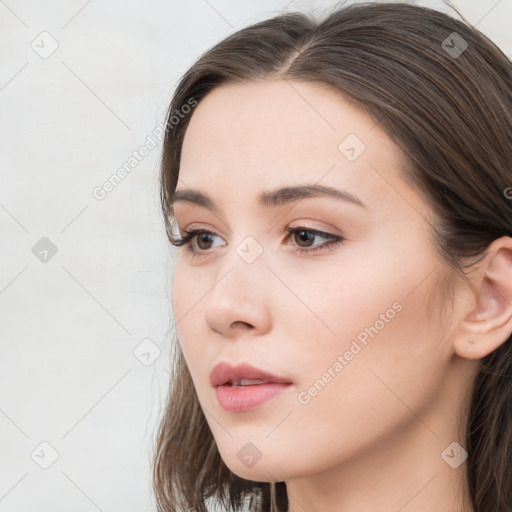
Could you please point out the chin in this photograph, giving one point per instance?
(258, 468)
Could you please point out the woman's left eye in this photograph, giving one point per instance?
(307, 235)
(302, 235)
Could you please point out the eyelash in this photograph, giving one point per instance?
(191, 234)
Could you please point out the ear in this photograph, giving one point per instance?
(487, 322)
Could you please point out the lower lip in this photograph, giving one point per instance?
(241, 399)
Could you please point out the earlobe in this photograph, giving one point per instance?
(488, 323)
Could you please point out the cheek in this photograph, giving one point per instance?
(185, 306)
(375, 323)
(188, 291)
(351, 395)
(388, 383)
(357, 386)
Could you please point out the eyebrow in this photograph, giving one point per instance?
(272, 198)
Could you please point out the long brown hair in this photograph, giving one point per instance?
(446, 100)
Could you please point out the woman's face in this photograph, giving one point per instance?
(354, 328)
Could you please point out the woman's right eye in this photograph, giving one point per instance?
(201, 236)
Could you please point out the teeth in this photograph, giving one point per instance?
(248, 382)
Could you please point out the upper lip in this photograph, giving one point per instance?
(224, 373)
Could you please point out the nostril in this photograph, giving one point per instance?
(240, 323)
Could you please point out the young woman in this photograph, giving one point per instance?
(341, 190)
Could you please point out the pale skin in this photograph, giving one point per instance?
(373, 437)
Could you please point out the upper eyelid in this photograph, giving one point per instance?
(194, 227)
(300, 226)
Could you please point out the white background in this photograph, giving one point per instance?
(69, 325)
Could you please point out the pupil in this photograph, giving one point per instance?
(305, 236)
(204, 236)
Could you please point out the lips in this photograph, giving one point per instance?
(244, 388)
(242, 375)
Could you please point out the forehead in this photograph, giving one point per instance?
(280, 115)
(248, 137)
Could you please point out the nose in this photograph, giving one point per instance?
(239, 301)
